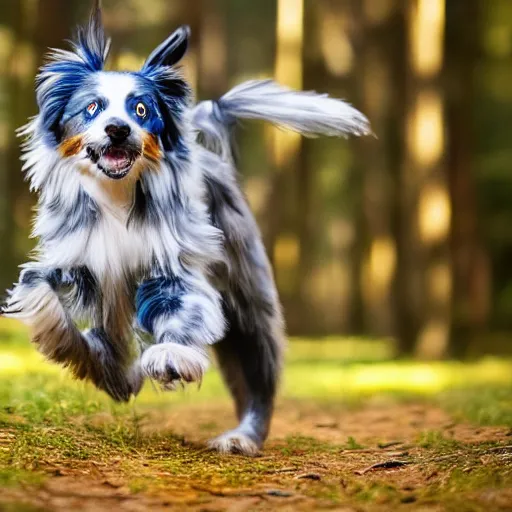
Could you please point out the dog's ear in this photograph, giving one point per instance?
(65, 71)
(92, 43)
(171, 51)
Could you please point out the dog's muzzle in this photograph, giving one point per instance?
(114, 161)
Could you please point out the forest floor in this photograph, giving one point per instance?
(353, 431)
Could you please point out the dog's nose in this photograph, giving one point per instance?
(117, 130)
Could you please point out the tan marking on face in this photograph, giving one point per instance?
(71, 146)
(150, 147)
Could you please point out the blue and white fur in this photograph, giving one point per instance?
(144, 233)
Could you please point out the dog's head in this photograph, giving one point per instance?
(112, 120)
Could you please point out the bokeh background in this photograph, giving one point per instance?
(405, 236)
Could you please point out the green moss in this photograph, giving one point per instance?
(491, 405)
(329, 492)
(436, 440)
(474, 476)
(470, 486)
(352, 444)
(138, 485)
(379, 492)
(13, 476)
(297, 445)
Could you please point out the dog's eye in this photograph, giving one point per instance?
(141, 109)
(92, 108)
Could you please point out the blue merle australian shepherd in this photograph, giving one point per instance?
(144, 233)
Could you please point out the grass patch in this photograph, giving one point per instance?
(436, 440)
(49, 422)
(39, 391)
(377, 492)
(298, 445)
(485, 405)
(352, 444)
(13, 477)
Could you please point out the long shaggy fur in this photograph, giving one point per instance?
(143, 230)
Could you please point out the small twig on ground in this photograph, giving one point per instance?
(216, 492)
(389, 444)
(277, 492)
(505, 448)
(441, 458)
(495, 449)
(389, 464)
(232, 494)
(499, 450)
(360, 450)
(308, 476)
(330, 424)
(285, 470)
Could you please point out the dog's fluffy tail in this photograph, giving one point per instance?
(308, 113)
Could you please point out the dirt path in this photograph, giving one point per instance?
(317, 458)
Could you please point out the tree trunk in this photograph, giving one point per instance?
(376, 35)
(425, 201)
(471, 283)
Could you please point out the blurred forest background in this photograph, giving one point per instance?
(407, 235)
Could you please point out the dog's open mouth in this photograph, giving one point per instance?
(115, 162)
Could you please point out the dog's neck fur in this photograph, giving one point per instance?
(113, 197)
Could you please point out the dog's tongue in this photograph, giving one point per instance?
(116, 158)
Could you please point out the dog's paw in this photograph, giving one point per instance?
(118, 383)
(135, 378)
(106, 368)
(171, 364)
(119, 390)
(235, 442)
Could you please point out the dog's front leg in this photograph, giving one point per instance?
(184, 315)
(90, 355)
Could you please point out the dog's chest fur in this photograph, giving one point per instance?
(117, 253)
(115, 249)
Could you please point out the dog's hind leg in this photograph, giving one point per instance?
(184, 315)
(250, 360)
(90, 355)
(250, 354)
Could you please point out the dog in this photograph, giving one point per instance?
(144, 233)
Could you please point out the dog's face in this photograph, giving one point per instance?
(114, 120)
(110, 121)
